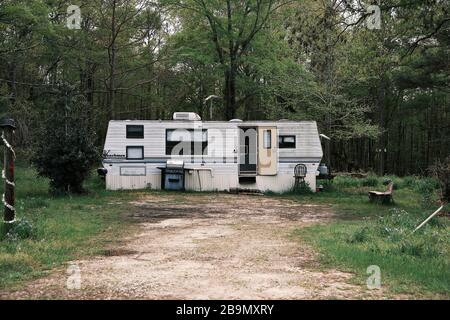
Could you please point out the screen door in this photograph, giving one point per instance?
(267, 151)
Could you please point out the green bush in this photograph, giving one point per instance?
(359, 236)
(327, 185)
(21, 229)
(303, 188)
(351, 182)
(398, 221)
(426, 188)
(417, 248)
(346, 182)
(409, 182)
(425, 184)
(370, 181)
(64, 148)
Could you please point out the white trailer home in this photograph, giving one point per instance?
(186, 153)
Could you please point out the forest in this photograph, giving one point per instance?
(373, 74)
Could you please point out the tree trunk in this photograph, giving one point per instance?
(13, 84)
(381, 101)
(230, 93)
(112, 64)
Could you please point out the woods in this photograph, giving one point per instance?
(380, 94)
(292, 149)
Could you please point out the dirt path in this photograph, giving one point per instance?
(207, 247)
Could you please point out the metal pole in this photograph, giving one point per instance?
(211, 104)
(210, 110)
(8, 127)
(428, 219)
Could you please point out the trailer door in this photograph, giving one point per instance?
(267, 151)
(247, 155)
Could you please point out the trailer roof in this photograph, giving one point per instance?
(222, 122)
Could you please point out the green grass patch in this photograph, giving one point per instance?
(365, 234)
(54, 230)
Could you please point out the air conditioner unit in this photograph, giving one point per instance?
(189, 116)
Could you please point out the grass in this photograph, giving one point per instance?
(365, 234)
(63, 228)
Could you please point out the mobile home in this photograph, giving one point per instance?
(187, 153)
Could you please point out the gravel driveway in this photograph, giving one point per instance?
(207, 246)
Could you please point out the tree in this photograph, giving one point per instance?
(127, 28)
(441, 170)
(370, 90)
(64, 149)
(233, 26)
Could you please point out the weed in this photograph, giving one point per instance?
(370, 181)
(417, 248)
(21, 229)
(303, 188)
(360, 235)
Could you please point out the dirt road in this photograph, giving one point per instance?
(211, 246)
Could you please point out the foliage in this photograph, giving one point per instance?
(21, 229)
(302, 188)
(426, 191)
(380, 94)
(360, 235)
(64, 149)
(441, 170)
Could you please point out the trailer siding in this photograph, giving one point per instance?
(218, 168)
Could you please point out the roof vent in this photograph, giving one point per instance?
(235, 120)
(189, 116)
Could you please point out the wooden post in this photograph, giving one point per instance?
(8, 127)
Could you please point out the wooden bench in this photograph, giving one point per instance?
(383, 197)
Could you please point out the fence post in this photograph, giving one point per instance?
(8, 126)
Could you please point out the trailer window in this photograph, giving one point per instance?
(135, 132)
(135, 152)
(267, 141)
(186, 142)
(286, 142)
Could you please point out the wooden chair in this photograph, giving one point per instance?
(299, 175)
(383, 197)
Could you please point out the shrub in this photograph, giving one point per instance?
(64, 149)
(426, 184)
(346, 182)
(370, 181)
(441, 171)
(396, 224)
(21, 229)
(360, 235)
(426, 188)
(417, 248)
(303, 188)
(409, 181)
(327, 185)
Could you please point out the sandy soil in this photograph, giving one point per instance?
(207, 247)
